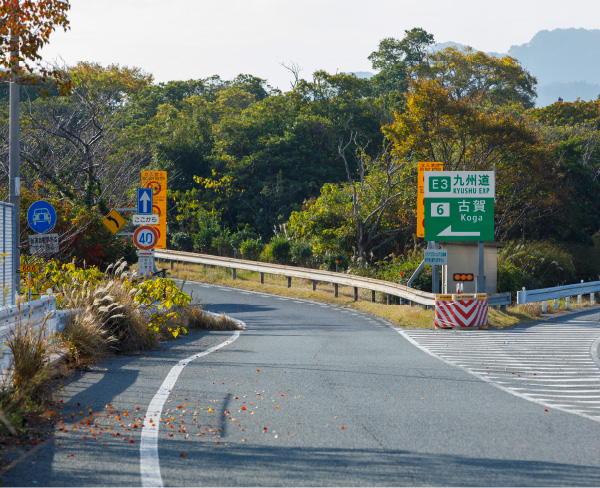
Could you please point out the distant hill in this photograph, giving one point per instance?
(566, 63)
(562, 55)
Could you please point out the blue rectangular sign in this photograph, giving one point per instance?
(144, 201)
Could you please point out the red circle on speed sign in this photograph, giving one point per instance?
(145, 237)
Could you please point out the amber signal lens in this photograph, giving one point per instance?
(462, 276)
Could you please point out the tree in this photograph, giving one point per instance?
(574, 131)
(478, 76)
(395, 59)
(363, 216)
(438, 126)
(76, 143)
(407, 52)
(25, 27)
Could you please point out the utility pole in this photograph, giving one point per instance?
(14, 159)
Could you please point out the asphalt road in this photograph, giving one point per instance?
(308, 395)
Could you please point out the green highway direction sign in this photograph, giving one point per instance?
(459, 205)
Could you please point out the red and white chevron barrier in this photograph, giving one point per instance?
(461, 311)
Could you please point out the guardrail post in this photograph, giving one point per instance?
(372, 296)
(556, 304)
(568, 302)
(233, 273)
(289, 280)
(592, 298)
(388, 299)
(262, 278)
(314, 285)
(544, 305)
(522, 297)
(335, 290)
(579, 298)
(503, 308)
(172, 265)
(355, 294)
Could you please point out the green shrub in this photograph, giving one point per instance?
(280, 249)
(330, 259)
(182, 242)
(301, 253)
(210, 228)
(203, 239)
(542, 264)
(586, 260)
(243, 235)
(510, 279)
(401, 271)
(266, 256)
(221, 244)
(251, 249)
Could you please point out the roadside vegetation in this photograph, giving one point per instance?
(112, 314)
(320, 176)
(321, 173)
(399, 315)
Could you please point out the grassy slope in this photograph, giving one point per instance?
(402, 316)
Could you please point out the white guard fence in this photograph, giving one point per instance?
(7, 265)
(567, 291)
(37, 314)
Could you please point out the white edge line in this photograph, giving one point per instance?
(149, 460)
(595, 350)
(492, 383)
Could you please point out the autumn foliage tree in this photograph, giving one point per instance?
(25, 27)
(478, 77)
(457, 131)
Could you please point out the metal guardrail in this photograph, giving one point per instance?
(543, 294)
(33, 314)
(316, 275)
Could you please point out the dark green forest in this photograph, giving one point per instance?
(325, 171)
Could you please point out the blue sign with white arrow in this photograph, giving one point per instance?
(41, 217)
(144, 201)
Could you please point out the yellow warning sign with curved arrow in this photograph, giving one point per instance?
(114, 221)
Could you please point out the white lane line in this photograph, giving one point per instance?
(149, 461)
(562, 408)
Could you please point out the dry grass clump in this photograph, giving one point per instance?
(86, 338)
(197, 319)
(31, 349)
(27, 383)
(107, 319)
(533, 309)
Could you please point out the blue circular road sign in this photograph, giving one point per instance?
(41, 217)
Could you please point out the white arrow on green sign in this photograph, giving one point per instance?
(459, 205)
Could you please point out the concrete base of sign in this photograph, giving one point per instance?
(463, 257)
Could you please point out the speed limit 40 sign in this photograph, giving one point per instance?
(145, 237)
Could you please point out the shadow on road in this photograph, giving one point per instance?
(285, 466)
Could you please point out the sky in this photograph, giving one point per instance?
(191, 39)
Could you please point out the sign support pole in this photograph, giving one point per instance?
(15, 161)
(481, 277)
(435, 274)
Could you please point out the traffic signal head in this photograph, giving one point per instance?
(463, 276)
